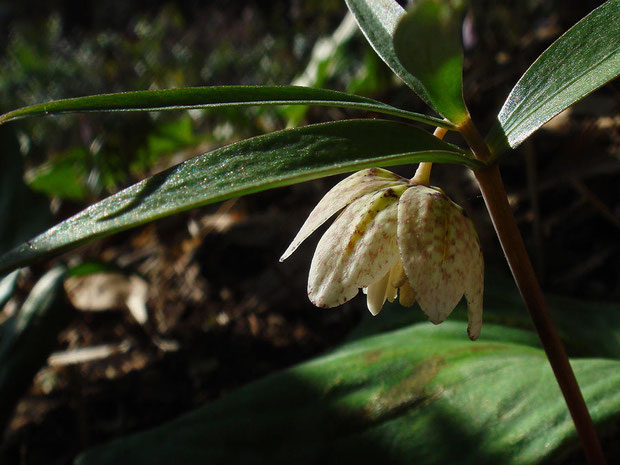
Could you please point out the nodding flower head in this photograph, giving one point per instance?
(393, 238)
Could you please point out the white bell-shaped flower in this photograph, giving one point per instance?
(391, 238)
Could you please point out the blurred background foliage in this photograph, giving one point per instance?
(212, 324)
(67, 48)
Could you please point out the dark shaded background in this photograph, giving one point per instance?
(222, 310)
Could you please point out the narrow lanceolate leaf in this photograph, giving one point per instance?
(277, 159)
(378, 20)
(427, 41)
(583, 59)
(220, 96)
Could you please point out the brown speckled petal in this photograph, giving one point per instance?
(474, 287)
(429, 229)
(356, 251)
(342, 194)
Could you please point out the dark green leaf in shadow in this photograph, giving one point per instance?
(220, 96)
(277, 159)
(7, 286)
(427, 41)
(582, 60)
(424, 394)
(23, 213)
(27, 339)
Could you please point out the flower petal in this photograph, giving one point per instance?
(427, 242)
(356, 251)
(376, 294)
(342, 194)
(474, 286)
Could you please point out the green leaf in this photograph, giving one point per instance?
(427, 42)
(423, 47)
(91, 267)
(221, 96)
(7, 286)
(421, 395)
(27, 338)
(277, 159)
(378, 20)
(582, 60)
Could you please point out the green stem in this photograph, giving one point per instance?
(492, 188)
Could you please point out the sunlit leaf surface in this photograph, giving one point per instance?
(583, 59)
(277, 159)
(219, 96)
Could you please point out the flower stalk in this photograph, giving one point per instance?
(422, 175)
(492, 188)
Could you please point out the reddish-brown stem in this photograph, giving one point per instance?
(492, 188)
